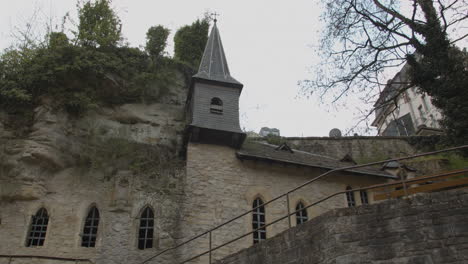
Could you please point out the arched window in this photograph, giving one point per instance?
(301, 213)
(216, 106)
(88, 238)
(146, 229)
(38, 228)
(350, 197)
(364, 197)
(258, 220)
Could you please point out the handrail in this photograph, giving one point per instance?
(46, 257)
(322, 200)
(287, 195)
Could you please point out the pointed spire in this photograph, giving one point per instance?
(213, 65)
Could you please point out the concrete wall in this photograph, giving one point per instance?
(428, 228)
(219, 187)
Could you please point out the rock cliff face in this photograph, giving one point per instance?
(120, 159)
(56, 141)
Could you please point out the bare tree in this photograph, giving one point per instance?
(365, 38)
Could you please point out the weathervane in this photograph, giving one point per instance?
(214, 16)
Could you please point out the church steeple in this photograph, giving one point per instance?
(213, 65)
(213, 103)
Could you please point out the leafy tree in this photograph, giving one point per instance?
(99, 25)
(156, 40)
(363, 38)
(190, 41)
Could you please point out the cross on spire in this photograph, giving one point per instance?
(214, 15)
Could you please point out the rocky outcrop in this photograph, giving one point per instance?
(56, 141)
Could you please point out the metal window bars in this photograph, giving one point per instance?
(403, 182)
(258, 220)
(146, 229)
(301, 214)
(90, 228)
(364, 197)
(38, 228)
(350, 197)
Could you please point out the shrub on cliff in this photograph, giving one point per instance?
(190, 41)
(88, 70)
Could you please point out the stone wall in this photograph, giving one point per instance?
(365, 149)
(361, 149)
(219, 187)
(428, 228)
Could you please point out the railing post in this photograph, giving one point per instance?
(9, 260)
(289, 211)
(404, 186)
(209, 254)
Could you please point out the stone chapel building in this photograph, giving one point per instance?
(79, 216)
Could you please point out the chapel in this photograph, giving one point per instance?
(68, 213)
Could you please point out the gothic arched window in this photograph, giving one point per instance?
(90, 229)
(301, 213)
(258, 220)
(216, 106)
(350, 197)
(38, 228)
(146, 229)
(364, 197)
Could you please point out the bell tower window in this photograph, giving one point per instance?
(216, 106)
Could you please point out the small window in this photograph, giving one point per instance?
(301, 214)
(258, 220)
(364, 197)
(216, 106)
(90, 228)
(38, 228)
(350, 197)
(146, 229)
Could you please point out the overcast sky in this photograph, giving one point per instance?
(269, 47)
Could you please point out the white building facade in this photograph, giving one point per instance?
(405, 113)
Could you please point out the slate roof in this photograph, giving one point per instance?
(263, 151)
(213, 66)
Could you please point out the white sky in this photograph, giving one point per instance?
(269, 46)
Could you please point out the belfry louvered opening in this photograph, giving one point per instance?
(216, 106)
(146, 229)
(38, 228)
(90, 229)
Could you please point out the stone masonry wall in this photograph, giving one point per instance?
(428, 228)
(219, 187)
(362, 149)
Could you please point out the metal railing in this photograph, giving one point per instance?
(287, 194)
(75, 260)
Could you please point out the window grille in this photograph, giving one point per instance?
(146, 230)
(258, 220)
(90, 228)
(301, 214)
(38, 228)
(364, 197)
(216, 106)
(350, 197)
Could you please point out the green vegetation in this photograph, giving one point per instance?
(189, 42)
(99, 25)
(93, 68)
(117, 153)
(156, 41)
